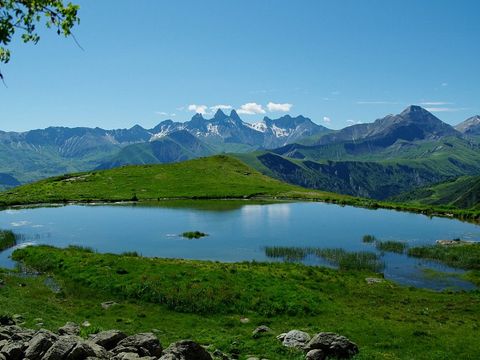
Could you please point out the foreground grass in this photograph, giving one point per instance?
(205, 301)
(216, 177)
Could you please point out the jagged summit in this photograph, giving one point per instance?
(219, 115)
(414, 109)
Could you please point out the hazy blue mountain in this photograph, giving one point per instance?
(176, 146)
(7, 181)
(471, 126)
(414, 123)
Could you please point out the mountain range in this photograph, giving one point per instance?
(36, 154)
(381, 159)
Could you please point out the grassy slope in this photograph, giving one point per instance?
(213, 177)
(205, 301)
(463, 192)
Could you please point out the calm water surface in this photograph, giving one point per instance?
(239, 231)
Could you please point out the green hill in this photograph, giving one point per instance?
(463, 193)
(209, 178)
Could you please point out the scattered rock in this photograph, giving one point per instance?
(17, 343)
(39, 344)
(13, 351)
(261, 329)
(316, 354)
(296, 338)
(144, 344)
(86, 323)
(244, 320)
(108, 339)
(373, 280)
(108, 304)
(185, 350)
(60, 349)
(334, 345)
(281, 336)
(70, 328)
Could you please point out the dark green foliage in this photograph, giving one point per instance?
(193, 234)
(8, 239)
(391, 246)
(25, 15)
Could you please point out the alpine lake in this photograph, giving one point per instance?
(244, 231)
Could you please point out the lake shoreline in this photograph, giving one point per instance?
(472, 217)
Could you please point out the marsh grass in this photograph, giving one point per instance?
(369, 239)
(357, 261)
(344, 260)
(398, 247)
(8, 239)
(287, 253)
(463, 256)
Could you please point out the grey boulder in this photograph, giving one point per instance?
(108, 339)
(296, 339)
(333, 345)
(185, 350)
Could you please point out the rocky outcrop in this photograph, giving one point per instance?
(322, 346)
(17, 343)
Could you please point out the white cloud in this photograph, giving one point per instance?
(199, 109)
(220, 107)
(251, 109)
(161, 113)
(444, 84)
(443, 109)
(279, 107)
(435, 103)
(353, 122)
(327, 120)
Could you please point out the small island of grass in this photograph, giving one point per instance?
(193, 234)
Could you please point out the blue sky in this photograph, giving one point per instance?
(337, 62)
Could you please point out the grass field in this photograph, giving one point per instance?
(206, 300)
(216, 177)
